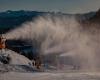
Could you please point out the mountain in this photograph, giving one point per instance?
(10, 19)
(92, 22)
(96, 17)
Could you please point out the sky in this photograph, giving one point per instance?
(66, 6)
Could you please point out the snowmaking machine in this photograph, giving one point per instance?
(5, 59)
(2, 42)
(20, 47)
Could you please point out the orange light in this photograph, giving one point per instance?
(2, 43)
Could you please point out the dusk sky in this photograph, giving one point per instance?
(67, 6)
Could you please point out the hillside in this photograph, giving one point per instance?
(13, 19)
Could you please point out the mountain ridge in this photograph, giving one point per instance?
(11, 19)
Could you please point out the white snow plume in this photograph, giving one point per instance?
(61, 36)
(50, 30)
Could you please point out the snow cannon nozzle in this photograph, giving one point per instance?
(2, 42)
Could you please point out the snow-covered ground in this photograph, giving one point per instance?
(20, 69)
(15, 57)
(18, 63)
(50, 76)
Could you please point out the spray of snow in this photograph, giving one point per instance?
(63, 36)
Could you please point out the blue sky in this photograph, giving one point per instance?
(67, 6)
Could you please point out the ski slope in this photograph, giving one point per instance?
(50, 76)
(19, 69)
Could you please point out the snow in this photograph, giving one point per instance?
(19, 69)
(18, 63)
(17, 58)
(50, 76)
